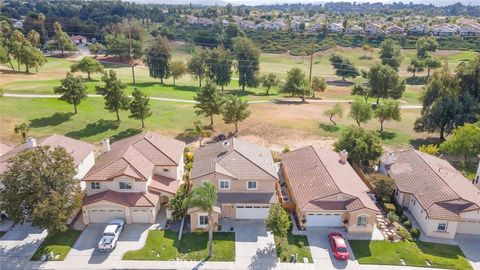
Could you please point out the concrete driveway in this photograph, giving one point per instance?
(321, 253)
(254, 246)
(21, 241)
(470, 245)
(85, 249)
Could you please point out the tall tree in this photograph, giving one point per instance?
(390, 53)
(39, 187)
(317, 85)
(113, 93)
(337, 109)
(386, 111)
(416, 65)
(72, 90)
(34, 38)
(278, 221)
(209, 101)
(432, 63)
(205, 198)
(197, 65)
(61, 39)
(200, 132)
(140, 106)
(468, 74)
(296, 83)
(363, 147)
(41, 19)
(268, 81)
(361, 90)
(157, 58)
(235, 110)
(343, 67)
(219, 66)
(248, 61)
(464, 141)
(232, 31)
(426, 46)
(384, 82)
(22, 129)
(31, 57)
(87, 65)
(361, 111)
(95, 48)
(177, 70)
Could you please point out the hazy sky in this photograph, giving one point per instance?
(435, 2)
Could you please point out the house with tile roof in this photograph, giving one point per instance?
(245, 178)
(440, 198)
(133, 178)
(326, 191)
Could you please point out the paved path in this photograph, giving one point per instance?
(21, 242)
(193, 101)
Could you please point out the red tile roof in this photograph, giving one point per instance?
(129, 199)
(165, 184)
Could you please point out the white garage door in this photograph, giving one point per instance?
(470, 227)
(104, 215)
(140, 216)
(252, 212)
(323, 219)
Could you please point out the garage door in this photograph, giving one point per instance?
(470, 227)
(251, 212)
(322, 219)
(104, 215)
(140, 216)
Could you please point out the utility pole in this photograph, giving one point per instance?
(130, 51)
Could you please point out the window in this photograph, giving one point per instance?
(124, 185)
(252, 185)
(95, 185)
(396, 192)
(224, 185)
(202, 220)
(166, 170)
(362, 221)
(442, 226)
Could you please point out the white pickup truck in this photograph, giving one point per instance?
(110, 235)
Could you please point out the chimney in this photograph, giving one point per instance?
(389, 159)
(31, 143)
(106, 145)
(343, 156)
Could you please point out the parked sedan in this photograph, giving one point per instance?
(110, 235)
(339, 246)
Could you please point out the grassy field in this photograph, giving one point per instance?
(413, 253)
(293, 244)
(164, 246)
(59, 243)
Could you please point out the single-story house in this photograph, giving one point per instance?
(335, 27)
(326, 190)
(133, 178)
(395, 30)
(470, 29)
(78, 39)
(439, 197)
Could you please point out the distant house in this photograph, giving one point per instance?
(315, 27)
(326, 191)
(18, 24)
(247, 25)
(78, 39)
(335, 28)
(262, 26)
(295, 25)
(202, 21)
(445, 30)
(355, 30)
(469, 29)
(440, 198)
(373, 29)
(418, 29)
(395, 30)
(225, 23)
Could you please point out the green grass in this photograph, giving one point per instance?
(164, 245)
(291, 245)
(413, 253)
(59, 243)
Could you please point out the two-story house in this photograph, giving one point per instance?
(326, 191)
(440, 198)
(133, 178)
(245, 178)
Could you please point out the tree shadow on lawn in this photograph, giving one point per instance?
(387, 135)
(424, 141)
(92, 129)
(126, 133)
(289, 102)
(329, 128)
(184, 88)
(440, 250)
(360, 248)
(186, 136)
(53, 120)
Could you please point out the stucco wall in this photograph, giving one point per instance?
(194, 222)
(128, 211)
(236, 185)
(137, 186)
(352, 221)
(429, 226)
(85, 165)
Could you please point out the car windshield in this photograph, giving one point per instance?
(342, 249)
(108, 234)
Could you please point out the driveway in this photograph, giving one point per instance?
(470, 247)
(254, 246)
(321, 254)
(21, 241)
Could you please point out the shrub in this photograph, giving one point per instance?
(385, 199)
(189, 157)
(389, 207)
(392, 217)
(407, 224)
(383, 185)
(286, 150)
(403, 218)
(399, 210)
(415, 233)
(391, 238)
(431, 149)
(300, 244)
(404, 234)
(189, 166)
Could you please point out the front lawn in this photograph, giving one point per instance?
(293, 244)
(164, 246)
(413, 253)
(59, 243)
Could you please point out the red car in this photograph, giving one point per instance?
(339, 247)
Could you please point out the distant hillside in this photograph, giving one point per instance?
(182, 2)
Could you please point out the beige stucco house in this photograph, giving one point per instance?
(133, 178)
(440, 198)
(245, 178)
(326, 191)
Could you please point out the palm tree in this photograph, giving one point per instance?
(199, 132)
(22, 129)
(205, 198)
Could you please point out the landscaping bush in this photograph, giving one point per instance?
(415, 233)
(407, 224)
(389, 207)
(300, 244)
(385, 199)
(403, 218)
(392, 217)
(399, 210)
(404, 234)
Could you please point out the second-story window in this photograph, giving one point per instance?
(252, 185)
(124, 185)
(224, 184)
(95, 185)
(166, 170)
